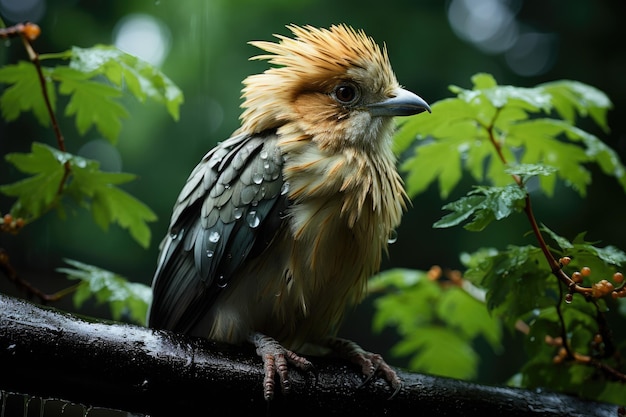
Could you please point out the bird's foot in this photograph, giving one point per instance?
(371, 364)
(275, 362)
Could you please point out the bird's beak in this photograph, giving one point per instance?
(404, 103)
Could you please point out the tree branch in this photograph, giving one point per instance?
(53, 354)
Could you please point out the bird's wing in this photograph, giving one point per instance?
(228, 211)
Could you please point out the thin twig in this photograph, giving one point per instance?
(31, 291)
(557, 270)
(34, 58)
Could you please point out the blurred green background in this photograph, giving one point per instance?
(202, 46)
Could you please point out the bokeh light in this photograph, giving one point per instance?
(22, 10)
(493, 27)
(144, 36)
(102, 151)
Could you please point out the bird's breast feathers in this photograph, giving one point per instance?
(343, 207)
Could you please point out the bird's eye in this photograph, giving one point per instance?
(346, 93)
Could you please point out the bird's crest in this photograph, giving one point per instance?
(312, 60)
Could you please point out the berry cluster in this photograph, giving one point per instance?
(10, 224)
(598, 289)
(562, 353)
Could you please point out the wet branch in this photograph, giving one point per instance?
(47, 353)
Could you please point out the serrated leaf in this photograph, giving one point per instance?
(92, 102)
(395, 278)
(542, 144)
(24, 93)
(459, 310)
(482, 81)
(411, 306)
(485, 204)
(563, 243)
(440, 351)
(36, 193)
(531, 170)
(516, 281)
(108, 203)
(122, 296)
(491, 116)
(142, 79)
(449, 117)
(111, 204)
(573, 97)
(86, 184)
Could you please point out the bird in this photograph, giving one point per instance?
(279, 227)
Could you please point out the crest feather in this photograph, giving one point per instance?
(312, 59)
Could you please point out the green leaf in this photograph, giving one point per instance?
(36, 193)
(460, 311)
(395, 278)
(573, 97)
(142, 79)
(408, 308)
(485, 204)
(542, 140)
(516, 280)
(92, 102)
(24, 93)
(440, 351)
(123, 297)
(86, 184)
(471, 131)
(530, 170)
(110, 204)
(585, 253)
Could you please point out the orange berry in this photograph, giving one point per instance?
(565, 260)
(31, 31)
(618, 277)
(577, 277)
(585, 271)
(7, 218)
(434, 273)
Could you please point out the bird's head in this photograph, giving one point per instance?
(335, 85)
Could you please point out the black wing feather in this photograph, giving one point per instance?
(227, 212)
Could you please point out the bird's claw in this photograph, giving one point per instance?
(276, 360)
(371, 364)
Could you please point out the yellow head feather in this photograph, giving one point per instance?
(314, 60)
